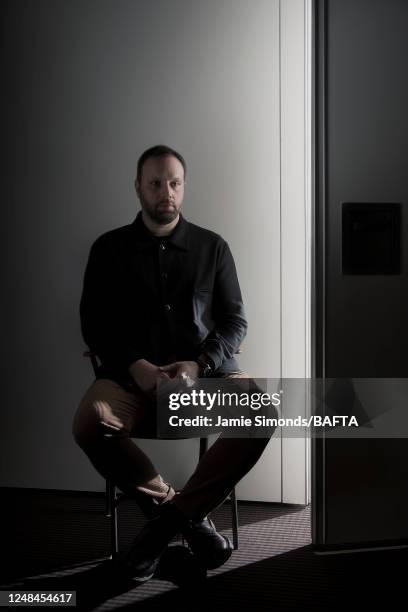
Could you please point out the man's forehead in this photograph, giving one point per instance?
(167, 165)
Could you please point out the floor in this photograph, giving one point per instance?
(47, 534)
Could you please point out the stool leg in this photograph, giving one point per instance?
(234, 512)
(203, 448)
(108, 498)
(113, 515)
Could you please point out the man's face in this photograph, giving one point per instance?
(161, 188)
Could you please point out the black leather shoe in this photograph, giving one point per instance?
(212, 549)
(141, 559)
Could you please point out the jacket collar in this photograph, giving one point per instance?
(180, 236)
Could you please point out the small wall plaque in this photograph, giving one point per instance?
(371, 238)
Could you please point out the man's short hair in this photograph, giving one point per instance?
(158, 151)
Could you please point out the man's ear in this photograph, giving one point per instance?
(137, 187)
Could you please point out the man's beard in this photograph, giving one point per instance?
(160, 216)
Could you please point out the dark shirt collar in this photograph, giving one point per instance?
(180, 236)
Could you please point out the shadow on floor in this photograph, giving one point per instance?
(297, 580)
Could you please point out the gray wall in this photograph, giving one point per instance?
(88, 85)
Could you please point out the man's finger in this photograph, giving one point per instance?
(164, 375)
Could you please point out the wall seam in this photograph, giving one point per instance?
(280, 231)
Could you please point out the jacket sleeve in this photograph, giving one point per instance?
(102, 306)
(228, 312)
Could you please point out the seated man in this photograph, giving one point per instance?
(161, 299)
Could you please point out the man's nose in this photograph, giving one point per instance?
(166, 189)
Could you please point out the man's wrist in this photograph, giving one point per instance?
(206, 366)
(134, 367)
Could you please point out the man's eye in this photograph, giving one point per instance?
(155, 183)
(175, 184)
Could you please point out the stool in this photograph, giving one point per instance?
(113, 498)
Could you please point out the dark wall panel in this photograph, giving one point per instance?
(360, 487)
(367, 153)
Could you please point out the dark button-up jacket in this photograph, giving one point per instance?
(161, 299)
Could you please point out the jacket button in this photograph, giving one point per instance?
(167, 307)
(164, 275)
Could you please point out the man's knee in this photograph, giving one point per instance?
(87, 423)
(107, 410)
(95, 418)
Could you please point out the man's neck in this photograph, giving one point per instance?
(159, 230)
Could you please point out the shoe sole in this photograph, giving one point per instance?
(142, 578)
(126, 570)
